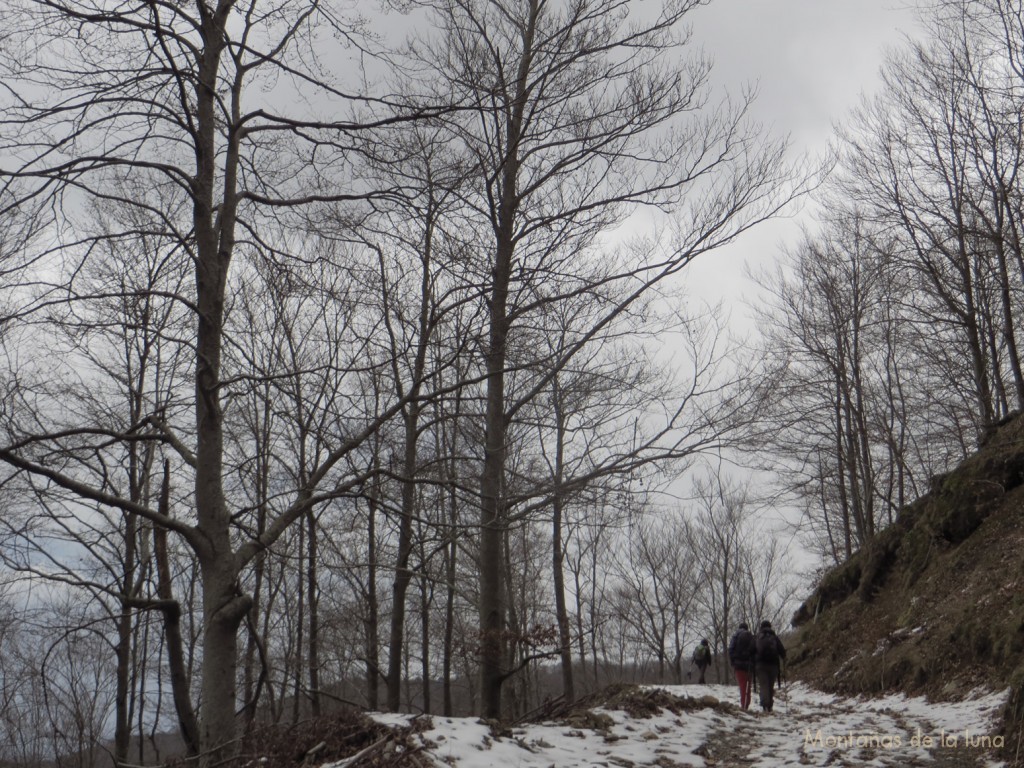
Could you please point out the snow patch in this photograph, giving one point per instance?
(807, 728)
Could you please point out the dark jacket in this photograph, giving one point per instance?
(701, 655)
(742, 650)
(768, 648)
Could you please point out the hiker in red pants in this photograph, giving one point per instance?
(741, 657)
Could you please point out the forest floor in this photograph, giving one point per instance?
(691, 725)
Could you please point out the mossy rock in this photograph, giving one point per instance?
(915, 552)
(969, 494)
(835, 586)
(879, 557)
(905, 671)
(973, 641)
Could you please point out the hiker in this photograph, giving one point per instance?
(769, 655)
(741, 657)
(702, 658)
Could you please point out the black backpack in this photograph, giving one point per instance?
(743, 648)
(767, 648)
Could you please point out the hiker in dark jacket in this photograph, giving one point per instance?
(702, 658)
(769, 655)
(741, 657)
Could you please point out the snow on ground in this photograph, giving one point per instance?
(807, 728)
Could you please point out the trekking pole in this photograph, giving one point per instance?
(783, 691)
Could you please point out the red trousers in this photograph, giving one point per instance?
(746, 681)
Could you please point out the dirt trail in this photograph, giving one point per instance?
(812, 730)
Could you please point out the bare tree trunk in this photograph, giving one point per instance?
(123, 649)
(557, 555)
(449, 625)
(425, 629)
(253, 656)
(493, 522)
(300, 626)
(225, 610)
(492, 605)
(594, 575)
(561, 610)
(403, 575)
(451, 553)
(372, 623)
(410, 461)
(1006, 301)
(313, 600)
(841, 473)
(180, 688)
(581, 634)
(511, 695)
(213, 222)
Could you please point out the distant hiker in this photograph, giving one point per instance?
(702, 658)
(770, 654)
(741, 657)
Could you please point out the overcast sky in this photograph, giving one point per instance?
(811, 57)
(811, 60)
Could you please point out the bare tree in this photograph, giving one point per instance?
(934, 158)
(825, 325)
(738, 562)
(656, 591)
(594, 425)
(126, 335)
(93, 94)
(896, 321)
(25, 734)
(420, 255)
(578, 117)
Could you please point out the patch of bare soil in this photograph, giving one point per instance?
(730, 747)
(646, 702)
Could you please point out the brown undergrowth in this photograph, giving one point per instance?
(637, 701)
(346, 739)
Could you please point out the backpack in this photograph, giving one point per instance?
(700, 654)
(742, 649)
(767, 648)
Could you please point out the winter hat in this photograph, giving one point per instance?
(766, 624)
(704, 641)
(743, 625)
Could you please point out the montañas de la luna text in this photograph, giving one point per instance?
(851, 740)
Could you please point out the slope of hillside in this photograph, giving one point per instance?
(935, 604)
